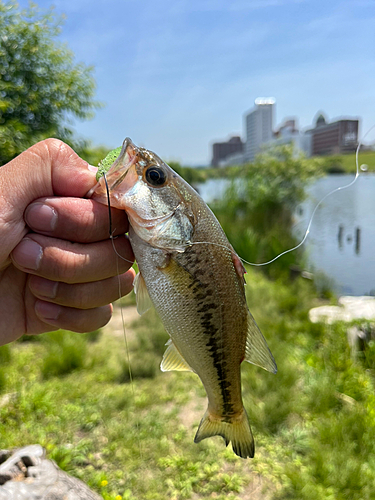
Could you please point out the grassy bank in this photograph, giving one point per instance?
(313, 422)
(346, 164)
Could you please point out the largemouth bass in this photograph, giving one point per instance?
(195, 280)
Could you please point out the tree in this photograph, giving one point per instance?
(41, 87)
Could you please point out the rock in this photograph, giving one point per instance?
(26, 474)
(349, 309)
(296, 271)
(359, 336)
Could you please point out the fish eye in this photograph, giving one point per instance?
(155, 176)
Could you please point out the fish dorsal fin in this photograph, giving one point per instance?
(141, 294)
(257, 351)
(173, 361)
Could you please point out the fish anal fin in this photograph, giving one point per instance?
(257, 351)
(237, 431)
(141, 294)
(173, 360)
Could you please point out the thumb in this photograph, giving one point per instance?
(46, 169)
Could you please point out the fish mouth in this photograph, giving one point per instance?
(128, 156)
(121, 166)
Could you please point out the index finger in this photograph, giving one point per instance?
(75, 219)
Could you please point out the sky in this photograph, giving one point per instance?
(178, 75)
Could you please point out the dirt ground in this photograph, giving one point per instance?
(119, 321)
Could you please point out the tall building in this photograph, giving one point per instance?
(222, 150)
(289, 133)
(259, 126)
(333, 138)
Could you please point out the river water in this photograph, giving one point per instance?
(340, 248)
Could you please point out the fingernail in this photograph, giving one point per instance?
(92, 168)
(41, 217)
(43, 287)
(28, 254)
(47, 310)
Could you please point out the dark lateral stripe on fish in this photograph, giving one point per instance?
(191, 258)
(207, 307)
(201, 291)
(219, 362)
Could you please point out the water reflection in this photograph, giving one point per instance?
(342, 237)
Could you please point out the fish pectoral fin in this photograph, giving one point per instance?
(239, 267)
(141, 294)
(173, 360)
(257, 351)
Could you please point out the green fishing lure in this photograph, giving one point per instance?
(105, 164)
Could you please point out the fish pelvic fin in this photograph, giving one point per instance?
(236, 431)
(173, 360)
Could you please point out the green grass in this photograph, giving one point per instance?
(5, 357)
(65, 353)
(313, 422)
(342, 164)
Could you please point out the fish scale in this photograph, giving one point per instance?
(210, 304)
(192, 330)
(191, 275)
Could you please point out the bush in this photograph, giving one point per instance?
(256, 212)
(5, 355)
(66, 351)
(141, 367)
(93, 336)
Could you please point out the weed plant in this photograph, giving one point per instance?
(313, 421)
(65, 352)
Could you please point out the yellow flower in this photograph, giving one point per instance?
(104, 483)
(118, 497)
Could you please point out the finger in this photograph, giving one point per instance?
(74, 219)
(84, 295)
(46, 169)
(61, 260)
(76, 320)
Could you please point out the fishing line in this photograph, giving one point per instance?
(119, 296)
(307, 232)
(110, 228)
(311, 218)
(48, 488)
(109, 206)
(116, 252)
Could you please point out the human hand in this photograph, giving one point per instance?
(57, 264)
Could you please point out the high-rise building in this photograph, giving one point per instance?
(222, 150)
(259, 126)
(328, 138)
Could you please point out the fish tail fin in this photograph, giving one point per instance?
(237, 431)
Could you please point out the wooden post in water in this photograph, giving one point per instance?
(357, 240)
(340, 235)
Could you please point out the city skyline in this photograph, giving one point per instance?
(178, 75)
(323, 136)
